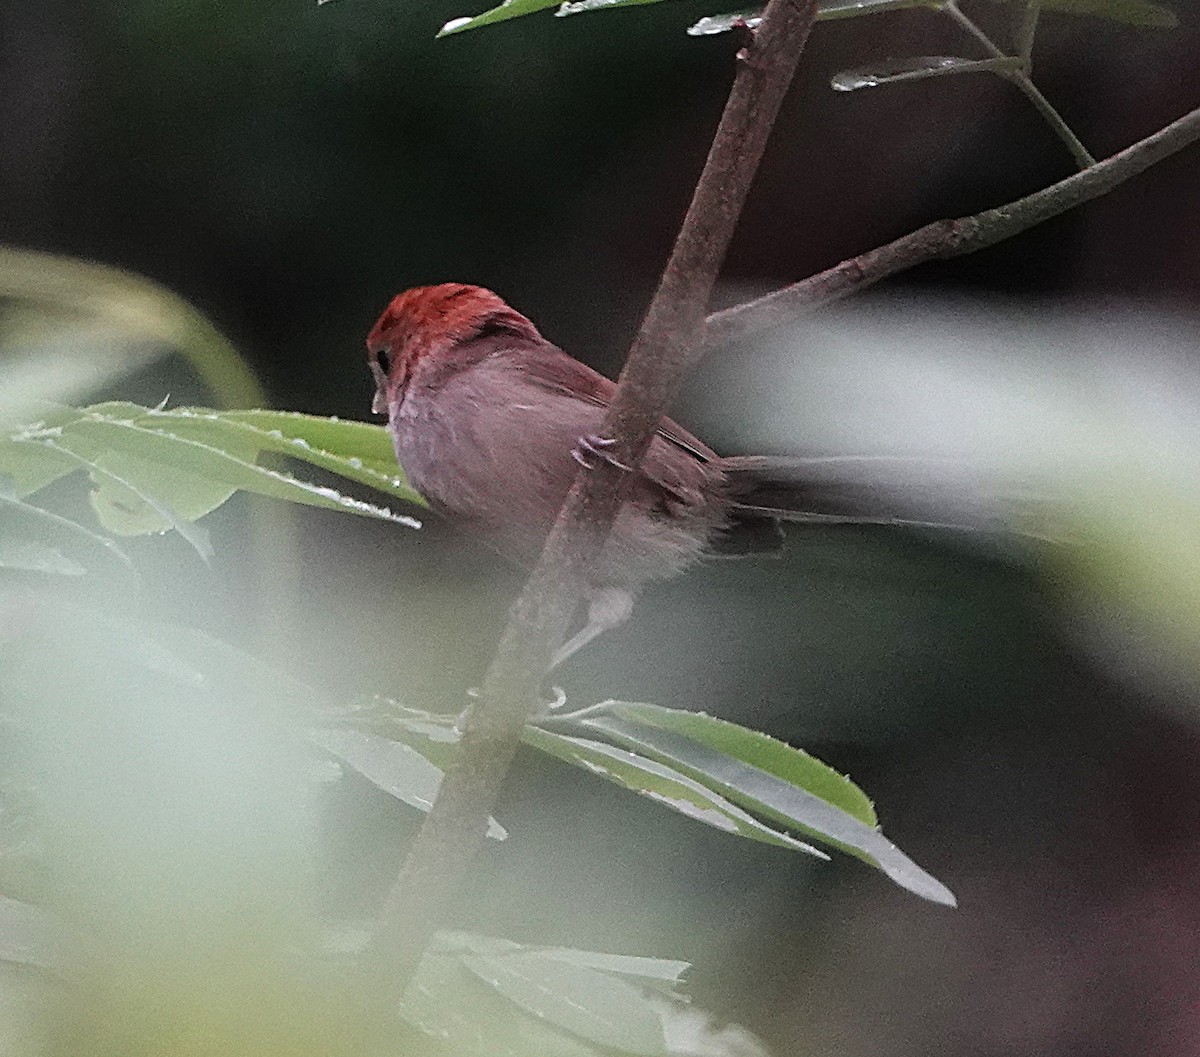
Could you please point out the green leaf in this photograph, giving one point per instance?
(358, 451)
(396, 768)
(30, 465)
(653, 970)
(764, 794)
(193, 476)
(24, 522)
(491, 997)
(1132, 12)
(126, 502)
(652, 778)
(592, 1005)
(449, 1003)
(135, 316)
(29, 936)
(918, 68)
(794, 766)
(508, 9)
(751, 17)
(157, 469)
(34, 556)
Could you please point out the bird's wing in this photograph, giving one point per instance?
(555, 370)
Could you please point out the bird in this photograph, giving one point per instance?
(490, 423)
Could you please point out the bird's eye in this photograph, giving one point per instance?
(383, 361)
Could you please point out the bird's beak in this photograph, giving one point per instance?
(379, 401)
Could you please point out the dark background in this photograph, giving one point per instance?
(287, 168)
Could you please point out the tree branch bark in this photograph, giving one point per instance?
(667, 345)
(944, 239)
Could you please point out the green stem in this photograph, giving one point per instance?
(1026, 30)
(1020, 78)
(1083, 157)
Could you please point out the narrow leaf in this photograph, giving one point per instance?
(450, 1004)
(892, 71)
(767, 796)
(33, 556)
(794, 766)
(508, 9)
(358, 451)
(657, 970)
(652, 778)
(31, 464)
(124, 501)
(34, 522)
(202, 470)
(1132, 12)
(396, 768)
(592, 1005)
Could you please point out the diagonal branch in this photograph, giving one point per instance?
(666, 347)
(944, 239)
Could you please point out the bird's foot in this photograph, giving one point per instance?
(590, 448)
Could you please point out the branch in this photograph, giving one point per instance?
(944, 239)
(667, 345)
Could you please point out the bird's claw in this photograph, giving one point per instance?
(590, 447)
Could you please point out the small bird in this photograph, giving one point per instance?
(490, 422)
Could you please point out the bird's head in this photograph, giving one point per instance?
(431, 322)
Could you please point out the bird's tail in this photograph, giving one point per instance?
(868, 490)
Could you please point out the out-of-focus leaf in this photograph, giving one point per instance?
(918, 68)
(760, 792)
(592, 1005)
(24, 999)
(656, 970)
(490, 996)
(24, 522)
(394, 767)
(29, 936)
(30, 465)
(653, 970)
(449, 1003)
(131, 307)
(128, 503)
(654, 779)
(34, 556)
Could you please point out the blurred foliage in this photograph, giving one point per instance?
(161, 790)
(160, 787)
(1131, 12)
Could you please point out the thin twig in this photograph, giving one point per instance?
(1026, 31)
(944, 239)
(1083, 157)
(667, 345)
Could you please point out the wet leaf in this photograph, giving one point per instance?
(396, 768)
(918, 68)
(652, 778)
(744, 782)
